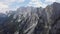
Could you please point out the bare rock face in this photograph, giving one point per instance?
(56, 18)
(53, 17)
(30, 24)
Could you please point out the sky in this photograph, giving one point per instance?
(6, 5)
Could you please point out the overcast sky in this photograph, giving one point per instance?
(14, 4)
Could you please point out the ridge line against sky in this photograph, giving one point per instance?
(6, 5)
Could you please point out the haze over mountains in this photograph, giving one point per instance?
(31, 20)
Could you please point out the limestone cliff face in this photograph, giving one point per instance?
(56, 18)
(53, 17)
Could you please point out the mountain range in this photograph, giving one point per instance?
(32, 20)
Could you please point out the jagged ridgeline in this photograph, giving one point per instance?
(31, 20)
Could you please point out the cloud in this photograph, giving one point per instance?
(58, 1)
(21, 1)
(36, 3)
(43, 5)
(10, 0)
(34, 0)
(6, 4)
(50, 0)
(3, 7)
